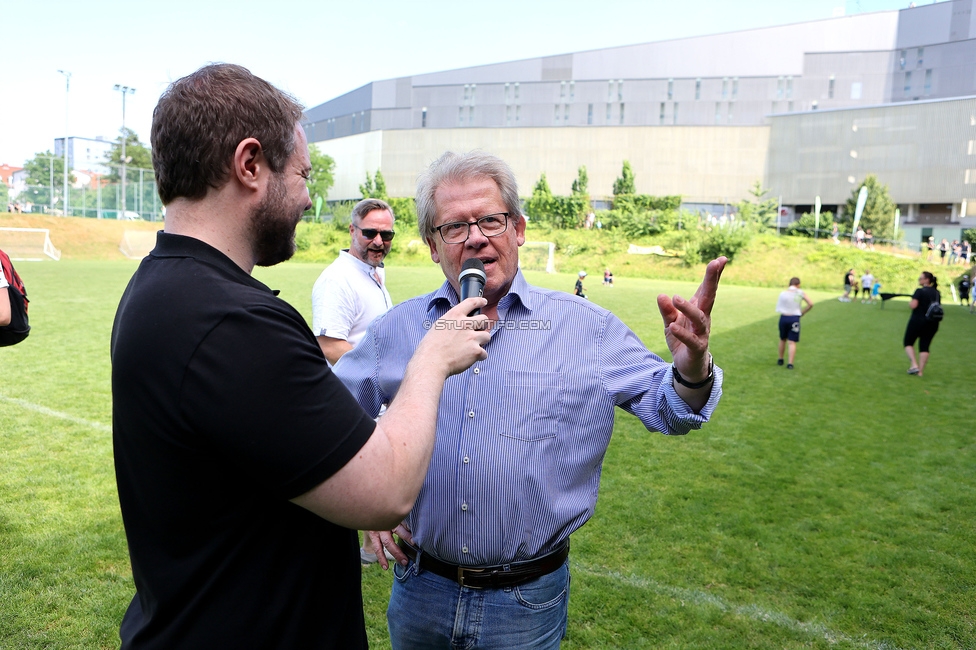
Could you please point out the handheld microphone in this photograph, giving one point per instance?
(472, 280)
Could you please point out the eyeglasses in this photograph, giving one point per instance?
(457, 232)
(370, 233)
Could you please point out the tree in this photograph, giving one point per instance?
(4, 196)
(374, 188)
(625, 182)
(137, 155)
(582, 182)
(39, 170)
(879, 210)
(539, 206)
(758, 212)
(320, 178)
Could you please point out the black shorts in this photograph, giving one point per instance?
(922, 331)
(789, 328)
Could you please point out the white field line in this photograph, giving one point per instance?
(753, 612)
(37, 408)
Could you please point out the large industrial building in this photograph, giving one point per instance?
(809, 109)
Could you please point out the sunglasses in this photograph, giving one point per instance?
(370, 233)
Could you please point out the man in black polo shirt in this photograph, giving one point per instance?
(243, 465)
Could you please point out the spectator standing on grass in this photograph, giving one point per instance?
(578, 290)
(920, 328)
(930, 243)
(964, 289)
(482, 557)
(943, 249)
(835, 233)
(791, 309)
(869, 239)
(243, 465)
(859, 238)
(866, 281)
(955, 249)
(607, 277)
(351, 292)
(875, 291)
(848, 285)
(967, 252)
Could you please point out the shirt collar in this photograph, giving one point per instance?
(358, 262)
(169, 245)
(519, 292)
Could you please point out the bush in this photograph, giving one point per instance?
(725, 240)
(804, 226)
(645, 202)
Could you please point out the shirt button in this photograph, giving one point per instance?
(464, 549)
(470, 414)
(466, 459)
(477, 370)
(464, 506)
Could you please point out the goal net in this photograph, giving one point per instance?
(538, 256)
(136, 244)
(31, 244)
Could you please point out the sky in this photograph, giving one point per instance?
(313, 49)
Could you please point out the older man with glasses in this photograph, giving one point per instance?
(482, 559)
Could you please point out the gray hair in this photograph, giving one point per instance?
(458, 168)
(366, 206)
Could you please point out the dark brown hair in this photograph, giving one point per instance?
(200, 120)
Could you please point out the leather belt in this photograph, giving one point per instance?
(491, 577)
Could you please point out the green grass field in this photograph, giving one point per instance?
(832, 506)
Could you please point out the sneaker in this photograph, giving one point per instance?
(789, 366)
(779, 362)
(913, 371)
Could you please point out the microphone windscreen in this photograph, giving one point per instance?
(473, 265)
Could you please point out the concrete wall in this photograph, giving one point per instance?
(703, 164)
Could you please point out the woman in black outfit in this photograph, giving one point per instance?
(919, 327)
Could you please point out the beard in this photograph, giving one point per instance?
(272, 228)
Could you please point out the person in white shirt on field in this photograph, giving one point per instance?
(791, 309)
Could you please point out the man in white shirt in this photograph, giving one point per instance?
(791, 310)
(351, 292)
(867, 281)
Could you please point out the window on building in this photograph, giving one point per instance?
(518, 114)
(508, 90)
(608, 112)
(928, 81)
(467, 92)
(921, 57)
(589, 113)
(779, 88)
(470, 115)
(610, 90)
(972, 144)
(423, 117)
(814, 105)
(970, 177)
(697, 89)
(555, 114)
(718, 112)
(562, 90)
(855, 90)
(674, 114)
(670, 89)
(730, 112)
(789, 87)
(620, 90)
(566, 113)
(621, 112)
(353, 122)
(660, 117)
(572, 91)
(725, 87)
(508, 116)
(830, 87)
(460, 115)
(735, 87)
(902, 59)
(908, 82)
(473, 88)
(516, 90)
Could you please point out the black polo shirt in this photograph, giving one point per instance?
(223, 409)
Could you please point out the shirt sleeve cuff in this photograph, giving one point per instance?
(679, 418)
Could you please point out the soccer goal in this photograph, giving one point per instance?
(30, 244)
(538, 256)
(136, 244)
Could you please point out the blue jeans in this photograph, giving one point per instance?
(428, 612)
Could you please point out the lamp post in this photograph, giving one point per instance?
(125, 90)
(67, 87)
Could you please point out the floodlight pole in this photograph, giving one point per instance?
(67, 87)
(125, 90)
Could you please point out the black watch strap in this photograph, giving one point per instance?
(687, 384)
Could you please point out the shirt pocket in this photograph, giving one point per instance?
(533, 405)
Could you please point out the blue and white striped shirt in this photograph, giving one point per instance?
(521, 436)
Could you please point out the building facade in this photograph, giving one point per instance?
(689, 114)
